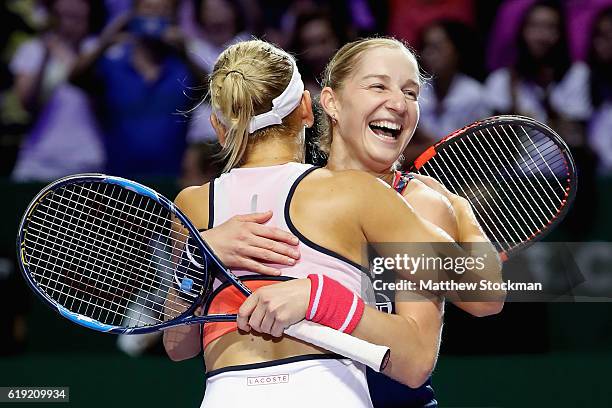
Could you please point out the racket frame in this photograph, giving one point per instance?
(373, 355)
(512, 120)
(186, 317)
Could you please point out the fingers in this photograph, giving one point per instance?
(278, 329)
(257, 317)
(275, 234)
(244, 313)
(256, 314)
(259, 218)
(270, 251)
(258, 267)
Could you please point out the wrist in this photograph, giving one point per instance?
(333, 305)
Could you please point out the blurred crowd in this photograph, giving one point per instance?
(118, 86)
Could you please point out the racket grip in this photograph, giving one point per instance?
(372, 355)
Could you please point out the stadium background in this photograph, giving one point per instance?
(536, 354)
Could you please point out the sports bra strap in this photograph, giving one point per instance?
(400, 181)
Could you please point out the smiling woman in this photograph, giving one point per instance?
(382, 91)
(370, 100)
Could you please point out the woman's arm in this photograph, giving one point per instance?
(82, 74)
(413, 335)
(28, 86)
(436, 208)
(389, 219)
(240, 242)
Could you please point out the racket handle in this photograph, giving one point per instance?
(372, 355)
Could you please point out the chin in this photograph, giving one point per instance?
(381, 162)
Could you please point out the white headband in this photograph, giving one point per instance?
(282, 105)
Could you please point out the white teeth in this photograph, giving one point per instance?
(386, 124)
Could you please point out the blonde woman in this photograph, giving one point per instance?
(260, 110)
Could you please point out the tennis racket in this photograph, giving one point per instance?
(517, 173)
(115, 256)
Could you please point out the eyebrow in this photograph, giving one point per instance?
(387, 77)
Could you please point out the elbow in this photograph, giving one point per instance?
(177, 353)
(418, 373)
(175, 356)
(417, 370)
(483, 309)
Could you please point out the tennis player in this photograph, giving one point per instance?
(364, 98)
(261, 109)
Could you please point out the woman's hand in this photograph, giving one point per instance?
(243, 242)
(275, 307)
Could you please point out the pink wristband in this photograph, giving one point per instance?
(333, 305)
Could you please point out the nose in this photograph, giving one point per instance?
(397, 102)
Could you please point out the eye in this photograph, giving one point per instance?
(411, 94)
(378, 87)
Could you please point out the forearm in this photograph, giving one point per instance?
(413, 349)
(485, 266)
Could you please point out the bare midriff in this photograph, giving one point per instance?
(238, 348)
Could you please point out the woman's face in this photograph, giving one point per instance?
(72, 18)
(542, 31)
(319, 43)
(219, 20)
(155, 8)
(602, 40)
(439, 54)
(377, 109)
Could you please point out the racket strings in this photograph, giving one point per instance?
(537, 166)
(96, 291)
(462, 188)
(160, 222)
(515, 177)
(127, 258)
(515, 192)
(115, 240)
(94, 286)
(508, 160)
(96, 254)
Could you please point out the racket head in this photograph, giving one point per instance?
(528, 167)
(105, 252)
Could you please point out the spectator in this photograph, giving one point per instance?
(201, 164)
(454, 98)
(64, 137)
(543, 83)
(138, 74)
(13, 121)
(219, 24)
(407, 18)
(315, 40)
(600, 61)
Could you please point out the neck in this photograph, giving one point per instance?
(341, 159)
(270, 152)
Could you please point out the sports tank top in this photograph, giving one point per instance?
(258, 189)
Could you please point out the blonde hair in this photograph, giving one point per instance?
(245, 79)
(341, 67)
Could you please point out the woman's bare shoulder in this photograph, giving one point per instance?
(193, 201)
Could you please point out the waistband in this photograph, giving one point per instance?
(274, 363)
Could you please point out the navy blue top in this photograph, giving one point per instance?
(144, 133)
(388, 393)
(384, 391)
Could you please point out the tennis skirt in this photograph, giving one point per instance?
(308, 381)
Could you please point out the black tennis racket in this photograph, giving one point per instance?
(115, 256)
(517, 173)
